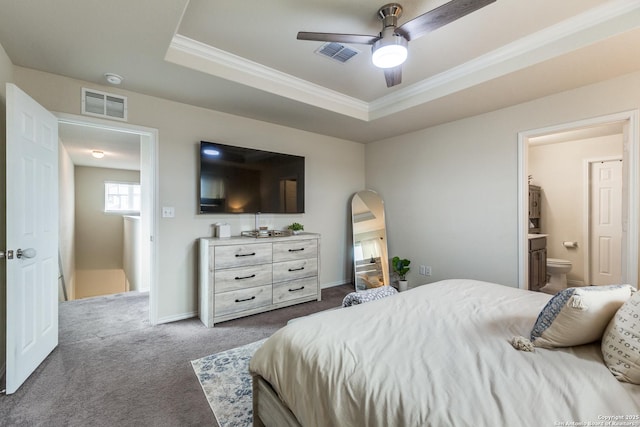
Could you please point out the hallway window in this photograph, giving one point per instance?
(121, 197)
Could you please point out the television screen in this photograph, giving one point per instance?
(246, 180)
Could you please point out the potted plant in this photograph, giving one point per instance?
(296, 227)
(401, 267)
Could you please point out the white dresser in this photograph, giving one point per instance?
(240, 276)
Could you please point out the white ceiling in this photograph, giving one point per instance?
(121, 149)
(243, 57)
(607, 129)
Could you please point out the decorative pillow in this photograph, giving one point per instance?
(360, 297)
(621, 342)
(575, 316)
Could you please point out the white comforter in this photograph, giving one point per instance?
(438, 355)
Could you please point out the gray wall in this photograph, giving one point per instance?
(334, 171)
(67, 210)
(451, 191)
(99, 236)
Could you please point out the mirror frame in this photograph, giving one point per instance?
(370, 261)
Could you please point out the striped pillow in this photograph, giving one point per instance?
(575, 316)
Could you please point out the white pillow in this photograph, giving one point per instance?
(575, 316)
(621, 342)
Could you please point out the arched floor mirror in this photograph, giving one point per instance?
(371, 259)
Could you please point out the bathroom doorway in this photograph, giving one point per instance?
(562, 160)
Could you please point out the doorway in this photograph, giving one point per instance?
(575, 244)
(145, 144)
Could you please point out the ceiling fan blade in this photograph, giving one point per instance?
(439, 17)
(393, 76)
(338, 38)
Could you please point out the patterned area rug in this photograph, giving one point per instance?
(226, 382)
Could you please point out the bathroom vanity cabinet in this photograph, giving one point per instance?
(240, 276)
(537, 263)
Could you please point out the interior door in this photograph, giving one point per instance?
(32, 235)
(606, 222)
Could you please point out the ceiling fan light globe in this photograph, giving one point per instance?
(389, 56)
(389, 52)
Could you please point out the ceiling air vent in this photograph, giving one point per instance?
(102, 104)
(337, 51)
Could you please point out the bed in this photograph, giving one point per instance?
(437, 355)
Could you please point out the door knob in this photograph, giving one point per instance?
(26, 253)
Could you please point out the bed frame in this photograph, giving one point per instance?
(268, 409)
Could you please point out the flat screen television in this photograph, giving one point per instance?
(246, 180)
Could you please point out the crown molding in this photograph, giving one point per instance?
(596, 24)
(579, 31)
(202, 57)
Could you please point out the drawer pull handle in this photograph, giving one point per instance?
(296, 250)
(246, 277)
(296, 289)
(246, 299)
(296, 269)
(251, 254)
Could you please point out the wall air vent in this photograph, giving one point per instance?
(337, 51)
(102, 104)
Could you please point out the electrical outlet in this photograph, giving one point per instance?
(427, 270)
(168, 212)
(423, 270)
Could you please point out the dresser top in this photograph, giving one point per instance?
(244, 240)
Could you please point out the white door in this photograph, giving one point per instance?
(32, 235)
(606, 222)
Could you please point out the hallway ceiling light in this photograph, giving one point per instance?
(97, 154)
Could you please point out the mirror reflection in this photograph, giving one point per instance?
(371, 260)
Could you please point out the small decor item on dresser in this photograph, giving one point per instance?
(401, 267)
(296, 227)
(223, 230)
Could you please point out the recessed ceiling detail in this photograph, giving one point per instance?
(595, 25)
(337, 51)
(389, 47)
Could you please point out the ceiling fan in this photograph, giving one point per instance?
(389, 47)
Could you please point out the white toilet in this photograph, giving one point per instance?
(557, 270)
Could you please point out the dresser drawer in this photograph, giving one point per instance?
(242, 255)
(233, 279)
(295, 289)
(290, 270)
(295, 249)
(242, 300)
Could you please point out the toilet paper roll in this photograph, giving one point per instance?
(570, 244)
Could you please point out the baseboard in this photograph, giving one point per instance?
(177, 317)
(575, 283)
(334, 284)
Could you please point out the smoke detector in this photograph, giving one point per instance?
(112, 78)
